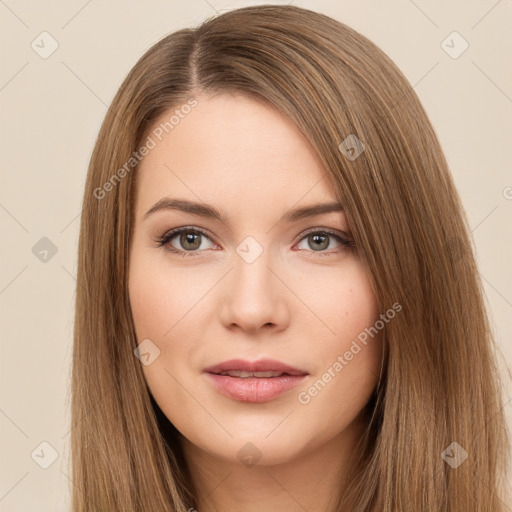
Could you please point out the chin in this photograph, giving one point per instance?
(257, 447)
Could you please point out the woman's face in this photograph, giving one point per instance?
(260, 283)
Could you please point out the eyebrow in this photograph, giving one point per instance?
(208, 211)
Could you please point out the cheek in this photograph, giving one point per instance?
(160, 296)
(348, 355)
(161, 310)
(345, 303)
(150, 302)
(166, 305)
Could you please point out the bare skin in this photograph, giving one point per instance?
(297, 302)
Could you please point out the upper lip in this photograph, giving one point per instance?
(262, 365)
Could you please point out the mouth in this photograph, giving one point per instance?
(244, 375)
(259, 381)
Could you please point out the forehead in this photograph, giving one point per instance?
(231, 148)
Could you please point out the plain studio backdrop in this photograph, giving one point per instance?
(63, 62)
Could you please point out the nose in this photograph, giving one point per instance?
(254, 296)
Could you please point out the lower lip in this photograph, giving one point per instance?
(254, 389)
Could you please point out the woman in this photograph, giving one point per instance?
(324, 343)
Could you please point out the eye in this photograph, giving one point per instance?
(190, 240)
(318, 241)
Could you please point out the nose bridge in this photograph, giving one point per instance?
(252, 274)
(254, 297)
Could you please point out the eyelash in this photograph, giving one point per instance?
(167, 237)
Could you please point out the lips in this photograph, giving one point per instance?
(258, 381)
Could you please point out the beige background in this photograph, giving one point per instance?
(52, 110)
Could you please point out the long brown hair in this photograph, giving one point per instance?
(439, 383)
